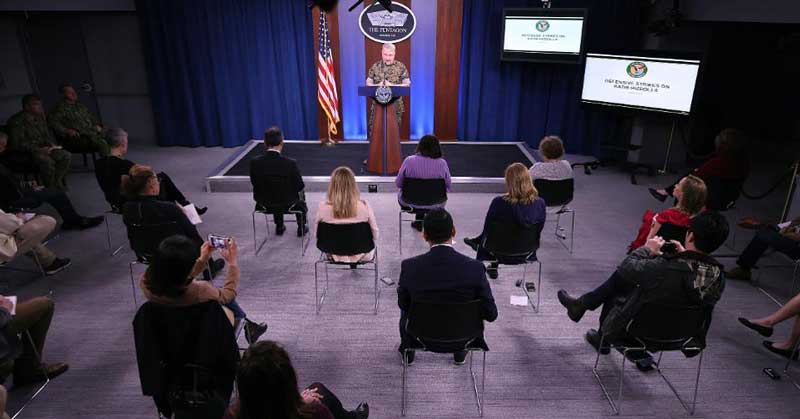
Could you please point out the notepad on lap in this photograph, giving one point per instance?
(13, 299)
(191, 214)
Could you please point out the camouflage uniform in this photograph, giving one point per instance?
(29, 134)
(394, 73)
(67, 115)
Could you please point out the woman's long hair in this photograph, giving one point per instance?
(267, 384)
(519, 185)
(343, 193)
(135, 182)
(168, 273)
(693, 195)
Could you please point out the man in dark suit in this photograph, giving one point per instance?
(277, 184)
(443, 275)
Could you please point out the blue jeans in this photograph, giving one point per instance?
(238, 313)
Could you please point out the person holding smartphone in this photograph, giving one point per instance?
(169, 279)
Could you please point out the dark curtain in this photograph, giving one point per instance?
(222, 71)
(501, 101)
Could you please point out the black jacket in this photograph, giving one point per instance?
(150, 210)
(273, 164)
(10, 190)
(168, 338)
(684, 279)
(109, 170)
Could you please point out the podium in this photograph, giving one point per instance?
(384, 146)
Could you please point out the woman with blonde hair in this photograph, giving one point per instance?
(521, 205)
(343, 205)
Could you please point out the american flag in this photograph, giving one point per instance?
(326, 79)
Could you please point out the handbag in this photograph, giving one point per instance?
(197, 399)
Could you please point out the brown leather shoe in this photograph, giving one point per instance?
(52, 371)
(738, 273)
(749, 223)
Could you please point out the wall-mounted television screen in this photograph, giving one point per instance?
(543, 35)
(651, 81)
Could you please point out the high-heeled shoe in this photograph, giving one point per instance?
(765, 331)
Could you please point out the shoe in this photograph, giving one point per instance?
(574, 306)
(765, 331)
(353, 266)
(302, 231)
(417, 225)
(50, 371)
(362, 411)
(593, 337)
(657, 195)
(409, 358)
(460, 358)
(57, 266)
(253, 331)
(279, 229)
(738, 273)
(786, 353)
(749, 223)
(201, 210)
(492, 271)
(644, 362)
(473, 243)
(89, 222)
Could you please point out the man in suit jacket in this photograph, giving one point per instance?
(277, 184)
(443, 275)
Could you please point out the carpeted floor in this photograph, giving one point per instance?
(472, 160)
(539, 365)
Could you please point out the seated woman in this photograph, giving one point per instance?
(784, 238)
(19, 235)
(554, 167)
(344, 205)
(730, 162)
(520, 205)
(169, 279)
(266, 384)
(764, 326)
(110, 169)
(142, 188)
(425, 163)
(691, 195)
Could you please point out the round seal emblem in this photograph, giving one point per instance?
(380, 25)
(383, 94)
(637, 69)
(542, 26)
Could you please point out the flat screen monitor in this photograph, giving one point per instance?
(543, 35)
(649, 81)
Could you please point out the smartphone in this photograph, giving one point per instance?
(387, 281)
(218, 242)
(772, 374)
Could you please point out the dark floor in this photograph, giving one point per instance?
(313, 159)
(539, 365)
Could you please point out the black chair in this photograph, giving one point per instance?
(144, 241)
(513, 245)
(558, 194)
(446, 328)
(39, 268)
(43, 370)
(419, 193)
(108, 214)
(722, 193)
(786, 372)
(274, 195)
(344, 240)
(659, 328)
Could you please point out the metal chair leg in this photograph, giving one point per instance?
(403, 386)
(400, 230)
(789, 363)
(44, 372)
(690, 410)
(478, 394)
(377, 290)
(133, 283)
(538, 290)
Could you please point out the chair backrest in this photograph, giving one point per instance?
(145, 238)
(445, 326)
(273, 192)
(667, 327)
(555, 192)
(512, 239)
(669, 231)
(424, 192)
(722, 193)
(344, 239)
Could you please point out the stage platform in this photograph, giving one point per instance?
(474, 166)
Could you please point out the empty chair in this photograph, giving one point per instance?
(511, 244)
(558, 194)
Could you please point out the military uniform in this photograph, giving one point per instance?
(66, 116)
(29, 133)
(393, 73)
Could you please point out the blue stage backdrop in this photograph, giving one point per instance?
(511, 100)
(222, 71)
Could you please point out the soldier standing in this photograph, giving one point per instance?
(387, 72)
(78, 130)
(30, 134)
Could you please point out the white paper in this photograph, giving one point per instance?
(28, 216)
(519, 300)
(191, 214)
(784, 225)
(13, 299)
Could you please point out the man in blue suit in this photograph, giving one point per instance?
(443, 275)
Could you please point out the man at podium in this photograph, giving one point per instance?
(387, 72)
